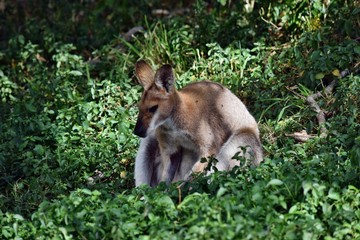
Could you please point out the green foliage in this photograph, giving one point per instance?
(239, 209)
(68, 107)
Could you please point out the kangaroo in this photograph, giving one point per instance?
(178, 128)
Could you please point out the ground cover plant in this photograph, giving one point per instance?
(68, 106)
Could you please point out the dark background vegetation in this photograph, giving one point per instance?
(68, 106)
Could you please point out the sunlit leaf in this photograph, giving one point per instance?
(275, 182)
(336, 72)
(221, 192)
(333, 194)
(319, 76)
(76, 73)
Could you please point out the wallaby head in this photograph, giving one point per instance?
(158, 98)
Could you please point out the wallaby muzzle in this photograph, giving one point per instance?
(139, 129)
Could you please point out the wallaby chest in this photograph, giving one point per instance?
(172, 139)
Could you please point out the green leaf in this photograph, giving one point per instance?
(307, 186)
(166, 201)
(18, 217)
(319, 76)
(327, 209)
(96, 193)
(75, 73)
(188, 200)
(222, 2)
(357, 49)
(65, 234)
(275, 182)
(293, 209)
(30, 107)
(333, 194)
(85, 124)
(221, 192)
(6, 233)
(39, 149)
(86, 191)
(283, 204)
(257, 197)
(75, 138)
(44, 205)
(21, 39)
(112, 135)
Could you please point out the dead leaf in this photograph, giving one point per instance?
(40, 58)
(302, 136)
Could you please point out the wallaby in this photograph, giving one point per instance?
(178, 128)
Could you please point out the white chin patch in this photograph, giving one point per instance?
(153, 124)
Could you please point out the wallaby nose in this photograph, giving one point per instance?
(139, 129)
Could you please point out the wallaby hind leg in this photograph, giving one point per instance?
(246, 142)
(171, 165)
(189, 165)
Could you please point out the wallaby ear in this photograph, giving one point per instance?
(165, 79)
(144, 74)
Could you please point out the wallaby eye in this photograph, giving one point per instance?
(153, 109)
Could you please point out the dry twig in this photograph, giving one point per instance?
(313, 103)
(302, 136)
